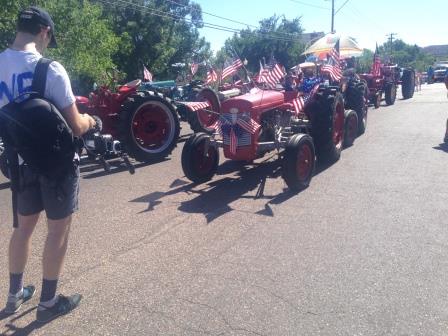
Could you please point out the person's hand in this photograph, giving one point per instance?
(96, 123)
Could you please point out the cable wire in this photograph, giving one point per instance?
(155, 12)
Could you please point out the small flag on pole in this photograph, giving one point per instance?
(212, 76)
(147, 76)
(194, 68)
(333, 66)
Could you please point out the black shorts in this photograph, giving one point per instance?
(38, 193)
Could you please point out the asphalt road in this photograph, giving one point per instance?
(362, 251)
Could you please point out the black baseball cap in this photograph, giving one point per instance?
(37, 16)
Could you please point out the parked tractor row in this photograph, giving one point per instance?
(247, 120)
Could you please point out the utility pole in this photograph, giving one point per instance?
(391, 40)
(332, 16)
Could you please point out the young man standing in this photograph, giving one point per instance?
(35, 32)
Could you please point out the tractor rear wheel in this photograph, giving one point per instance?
(298, 162)
(149, 126)
(201, 121)
(328, 126)
(199, 158)
(390, 93)
(408, 83)
(350, 128)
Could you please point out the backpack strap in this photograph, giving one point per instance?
(14, 176)
(40, 76)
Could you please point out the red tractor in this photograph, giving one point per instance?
(250, 125)
(143, 124)
(391, 76)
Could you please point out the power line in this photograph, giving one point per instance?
(155, 12)
(310, 5)
(214, 15)
(341, 6)
(227, 19)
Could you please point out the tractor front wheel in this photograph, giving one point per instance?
(376, 100)
(298, 162)
(149, 126)
(200, 158)
(350, 128)
(390, 93)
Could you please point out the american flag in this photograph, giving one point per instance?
(234, 125)
(147, 76)
(272, 76)
(300, 102)
(194, 68)
(333, 66)
(376, 66)
(212, 76)
(262, 74)
(231, 68)
(299, 105)
(196, 106)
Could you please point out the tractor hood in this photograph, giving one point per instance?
(257, 101)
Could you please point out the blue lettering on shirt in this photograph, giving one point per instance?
(23, 83)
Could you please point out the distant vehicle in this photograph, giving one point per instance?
(440, 72)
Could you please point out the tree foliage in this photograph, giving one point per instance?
(276, 37)
(94, 36)
(406, 55)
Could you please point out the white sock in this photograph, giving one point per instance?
(48, 304)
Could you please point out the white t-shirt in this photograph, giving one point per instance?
(16, 75)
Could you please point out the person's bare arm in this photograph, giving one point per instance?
(79, 123)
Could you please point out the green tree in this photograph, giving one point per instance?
(86, 43)
(158, 34)
(276, 36)
(406, 55)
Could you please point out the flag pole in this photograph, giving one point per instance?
(245, 69)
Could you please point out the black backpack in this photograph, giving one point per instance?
(34, 128)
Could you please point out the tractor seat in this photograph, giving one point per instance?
(129, 86)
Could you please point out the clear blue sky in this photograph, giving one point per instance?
(415, 22)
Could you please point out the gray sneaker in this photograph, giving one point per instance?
(64, 305)
(13, 304)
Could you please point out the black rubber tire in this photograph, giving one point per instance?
(390, 93)
(193, 153)
(408, 83)
(4, 164)
(351, 127)
(356, 98)
(131, 144)
(212, 98)
(376, 100)
(294, 147)
(322, 120)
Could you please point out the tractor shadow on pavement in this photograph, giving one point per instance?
(94, 169)
(214, 198)
(442, 147)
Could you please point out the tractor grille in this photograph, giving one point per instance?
(244, 138)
